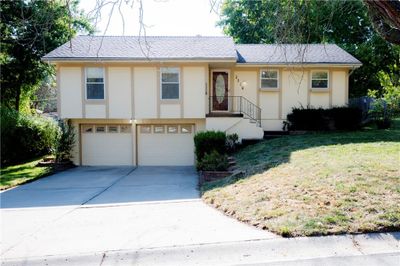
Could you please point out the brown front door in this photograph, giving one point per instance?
(220, 91)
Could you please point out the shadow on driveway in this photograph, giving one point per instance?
(105, 185)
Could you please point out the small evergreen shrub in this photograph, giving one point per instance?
(213, 161)
(25, 137)
(318, 119)
(232, 142)
(65, 142)
(207, 141)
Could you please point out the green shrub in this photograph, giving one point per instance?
(345, 118)
(232, 141)
(318, 119)
(213, 161)
(25, 136)
(307, 119)
(207, 141)
(65, 142)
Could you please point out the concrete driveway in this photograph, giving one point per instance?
(91, 210)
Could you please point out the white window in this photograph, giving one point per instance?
(186, 129)
(87, 129)
(94, 83)
(145, 129)
(100, 129)
(172, 129)
(319, 79)
(112, 129)
(169, 83)
(158, 129)
(125, 129)
(269, 79)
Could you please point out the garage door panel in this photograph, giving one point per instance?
(106, 149)
(165, 148)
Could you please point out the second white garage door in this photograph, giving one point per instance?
(165, 145)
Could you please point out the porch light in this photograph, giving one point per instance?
(243, 84)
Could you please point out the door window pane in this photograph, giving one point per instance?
(87, 129)
(112, 129)
(100, 129)
(125, 128)
(158, 129)
(186, 129)
(172, 129)
(145, 129)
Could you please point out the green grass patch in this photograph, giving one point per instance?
(14, 175)
(316, 184)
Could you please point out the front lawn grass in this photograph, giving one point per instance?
(14, 175)
(316, 184)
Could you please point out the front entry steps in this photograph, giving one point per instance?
(244, 127)
(224, 114)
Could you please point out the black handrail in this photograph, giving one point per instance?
(235, 104)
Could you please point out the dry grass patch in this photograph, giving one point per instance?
(319, 184)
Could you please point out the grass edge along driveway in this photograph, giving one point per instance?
(15, 175)
(316, 184)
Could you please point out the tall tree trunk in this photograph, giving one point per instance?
(17, 98)
(385, 16)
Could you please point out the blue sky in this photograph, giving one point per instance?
(162, 17)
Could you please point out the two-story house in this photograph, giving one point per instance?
(139, 101)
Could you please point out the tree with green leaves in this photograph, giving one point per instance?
(29, 30)
(346, 23)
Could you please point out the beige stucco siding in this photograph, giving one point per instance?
(119, 92)
(145, 92)
(319, 99)
(339, 88)
(170, 110)
(194, 82)
(95, 110)
(294, 90)
(250, 90)
(70, 86)
(272, 124)
(269, 104)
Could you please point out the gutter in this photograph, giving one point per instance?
(136, 60)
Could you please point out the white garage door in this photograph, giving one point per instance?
(107, 145)
(165, 145)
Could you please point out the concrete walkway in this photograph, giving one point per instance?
(93, 210)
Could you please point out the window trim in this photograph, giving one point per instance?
(278, 84)
(179, 84)
(328, 80)
(104, 84)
